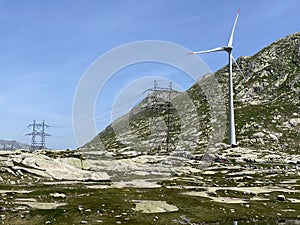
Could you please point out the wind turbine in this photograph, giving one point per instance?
(228, 49)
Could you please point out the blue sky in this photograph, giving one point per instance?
(46, 46)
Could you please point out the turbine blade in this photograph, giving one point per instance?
(233, 28)
(210, 50)
(239, 68)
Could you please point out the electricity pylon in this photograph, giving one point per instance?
(38, 130)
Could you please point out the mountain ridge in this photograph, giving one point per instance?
(12, 145)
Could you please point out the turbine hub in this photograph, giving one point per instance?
(228, 49)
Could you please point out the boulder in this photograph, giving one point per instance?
(280, 198)
(274, 137)
(294, 122)
(154, 207)
(58, 195)
(259, 135)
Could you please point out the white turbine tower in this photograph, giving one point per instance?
(228, 49)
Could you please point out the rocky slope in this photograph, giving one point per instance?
(267, 109)
(267, 101)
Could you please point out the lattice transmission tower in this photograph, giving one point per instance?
(38, 130)
(163, 120)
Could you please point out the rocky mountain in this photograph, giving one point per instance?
(267, 110)
(12, 145)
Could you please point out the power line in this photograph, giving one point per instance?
(88, 118)
(97, 116)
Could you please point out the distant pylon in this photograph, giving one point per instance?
(38, 130)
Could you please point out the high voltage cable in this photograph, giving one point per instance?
(88, 118)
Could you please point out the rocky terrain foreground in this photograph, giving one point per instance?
(72, 187)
